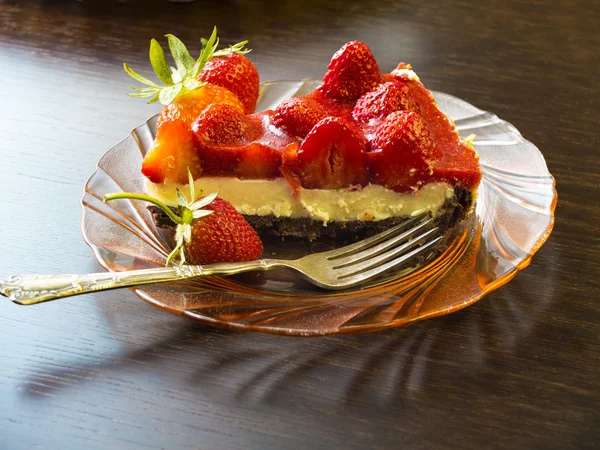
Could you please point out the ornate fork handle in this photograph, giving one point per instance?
(32, 289)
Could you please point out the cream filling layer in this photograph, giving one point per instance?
(276, 197)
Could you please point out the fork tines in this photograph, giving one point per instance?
(359, 262)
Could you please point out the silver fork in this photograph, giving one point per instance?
(336, 269)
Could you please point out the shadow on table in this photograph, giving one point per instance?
(379, 368)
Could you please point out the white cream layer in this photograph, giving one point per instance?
(266, 197)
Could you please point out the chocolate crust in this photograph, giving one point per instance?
(453, 211)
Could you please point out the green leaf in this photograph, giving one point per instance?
(150, 90)
(187, 233)
(177, 78)
(138, 77)
(236, 48)
(183, 59)
(167, 94)
(159, 63)
(154, 99)
(202, 202)
(179, 232)
(202, 213)
(208, 49)
(192, 84)
(141, 94)
(183, 201)
(144, 92)
(191, 184)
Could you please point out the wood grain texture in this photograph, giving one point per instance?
(517, 370)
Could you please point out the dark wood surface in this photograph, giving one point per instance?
(519, 369)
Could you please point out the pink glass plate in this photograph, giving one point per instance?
(513, 218)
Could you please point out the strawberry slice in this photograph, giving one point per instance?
(403, 152)
(258, 161)
(383, 100)
(351, 73)
(174, 148)
(297, 116)
(236, 73)
(251, 161)
(332, 156)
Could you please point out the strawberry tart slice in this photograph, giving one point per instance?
(363, 151)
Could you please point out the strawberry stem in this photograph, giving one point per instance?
(130, 195)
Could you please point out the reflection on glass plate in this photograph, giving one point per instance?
(513, 218)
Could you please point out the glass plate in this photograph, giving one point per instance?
(513, 218)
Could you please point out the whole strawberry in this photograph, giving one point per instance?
(220, 123)
(351, 73)
(297, 116)
(382, 101)
(236, 73)
(223, 236)
(209, 229)
(332, 156)
(403, 152)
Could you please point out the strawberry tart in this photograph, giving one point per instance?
(362, 152)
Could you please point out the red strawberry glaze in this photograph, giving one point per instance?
(261, 157)
(230, 144)
(457, 163)
(255, 155)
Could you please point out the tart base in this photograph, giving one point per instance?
(453, 211)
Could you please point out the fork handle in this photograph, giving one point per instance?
(33, 289)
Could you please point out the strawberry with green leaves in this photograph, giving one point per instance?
(183, 78)
(208, 229)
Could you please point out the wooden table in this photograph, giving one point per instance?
(519, 369)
